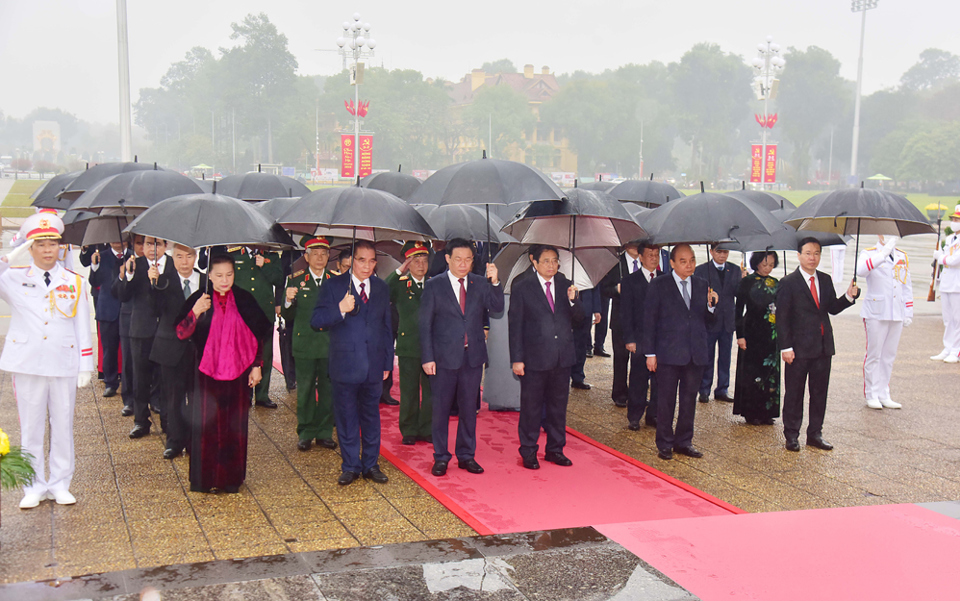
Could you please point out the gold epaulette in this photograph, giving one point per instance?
(234, 249)
(299, 273)
(404, 278)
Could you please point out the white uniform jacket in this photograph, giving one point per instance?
(949, 257)
(889, 294)
(50, 332)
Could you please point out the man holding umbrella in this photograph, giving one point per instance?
(610, 287)
(724, 278)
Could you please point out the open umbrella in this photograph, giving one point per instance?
(600, 185)
(91, 176)
(84, 228)
(260, 186)
(708, 218)
(463, 221)
(645, 191)
(135, 191)
(401, 185)
(47, 196)
(767, 200)
(585, 270)
(275, 207)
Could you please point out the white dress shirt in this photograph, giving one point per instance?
(357, 282)
(194, 280)
(455, 282)
(648, 275)
(161, 265)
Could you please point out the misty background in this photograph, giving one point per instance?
(237, 83)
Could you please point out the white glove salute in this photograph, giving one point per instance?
(83, 379)
(889, 245)
(20, 255)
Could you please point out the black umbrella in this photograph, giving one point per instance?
(463, 221)
(767, 200)
(399, 184)
(785, 239)
(91, 176)
(84, 228)
(275, 207)
(135, 191)
(260, 186)
(600, 185)
(638, 212)
(47, 195)
(585, 270)
(708, 218)
(645, 191)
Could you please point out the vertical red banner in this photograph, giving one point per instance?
(770, 165)
(347, 156)
(756, 163)
(366, 155)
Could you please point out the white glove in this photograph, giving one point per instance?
(889, 246)
(937, 255)
(20, 255)
(83, 379)
(907, 322)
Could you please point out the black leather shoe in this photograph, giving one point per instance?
(793, 445)
(531, 463)
(558, 458)
(304, 445)
(439, 468)
(651, 421)
(471, 466)
(599, 352)
(268, 404)
(347, 478)
(171, 453)
(426, 439)
(581, 386)
(409, 440)
(589, 354)
(389, 401)
(376, 475)
(109, 392)
(326, 443)
(703, 398)
(818, 442)
(688, 451)
(291, 387)
(634, 426)
(127, 411)
(666, 455)
(231, 490)
(723, 398)
(619, 403)
(139, 431)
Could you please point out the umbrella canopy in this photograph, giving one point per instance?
(880, 178)
(463, 221)
(47, 196)
(860, 211)
(356, 212)
(275, 207)
(638, 212)
(587, 268)
(644, 191)
(260, 186)
(84, 228)
(401, 185)
(767, 200)
(135, 191)
(600, 185)
(786, 239)
(198, 220)
(202, 166)
(707, 218)
(585, 218)
(486, 182)
(91, 176)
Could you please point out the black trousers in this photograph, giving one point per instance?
(621, 357)
(543, 400)
(110, 341)
(814, 373)
(677, 386)
(143, 379)
(581, 344)
(177, 391)
(128, 378)
(462, 385)
(641, 380)
(600, 330)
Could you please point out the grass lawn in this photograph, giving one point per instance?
(17, 202)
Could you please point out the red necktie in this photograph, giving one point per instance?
(550, 298)
(813, 291)
(363, 294)
(463, 306)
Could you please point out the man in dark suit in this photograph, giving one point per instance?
(128, 381)
(453, 349)
(610, 286)
(134, 286)
(805, 301)
(543, 313)
(355, 308)
(724, 278)
(633, 295)
(677, 310)
(174, 356)
(590, 302)
(104, 270)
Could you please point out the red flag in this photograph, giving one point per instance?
(762, 121)
(771, 120)
(349, 106)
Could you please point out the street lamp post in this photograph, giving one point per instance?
(355, 43)
(767, 64)
(859, 6)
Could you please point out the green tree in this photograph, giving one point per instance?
(934, 69)
(932, 156)
(504, 65)
(502, 111)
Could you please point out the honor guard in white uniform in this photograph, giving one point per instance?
(948, 259)
(48, 351)
(887, 309)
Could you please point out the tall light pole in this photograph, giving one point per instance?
(767, 64)
(859, 6)
(126, 151)
(356, 44)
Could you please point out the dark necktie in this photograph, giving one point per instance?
(363, 293)
(686, 293)
(186, 289)
(463, 306)
(550, 299)
(46, 277)
(636, 266)
(318, 282)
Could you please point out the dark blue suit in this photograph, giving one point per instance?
(677, 336)
(721, 330)
(108, 314)
(633, 296)
(361, 349)
(590, 299)
(459, 361)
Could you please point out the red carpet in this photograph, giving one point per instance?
(875, 552)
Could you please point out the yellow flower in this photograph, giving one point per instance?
(4, 443)
(769, 282)
(772, 318)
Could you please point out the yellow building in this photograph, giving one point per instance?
(542, 148)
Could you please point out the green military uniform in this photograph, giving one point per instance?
(416, 408)
(311, 350)
(260, 282)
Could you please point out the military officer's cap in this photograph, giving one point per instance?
(414, 248)
(956, 212)
(315, 242)
(42, 226)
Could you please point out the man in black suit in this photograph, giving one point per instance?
(724, 279)
(633, 295)
(805, 301)
(128, 381)
(610, 286)
(104, 270)
(543, 312)
(677, 310)
(175, 356)
(454, 349)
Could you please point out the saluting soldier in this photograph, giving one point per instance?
(48, 351)
(416, 408)
(948, 259)
(311, 348)
(257, 273)
(887, 309)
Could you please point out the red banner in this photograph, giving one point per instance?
(366, 155)
(756, 163)
(347, 164)
(770, 165)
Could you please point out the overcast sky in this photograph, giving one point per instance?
(63, 53)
